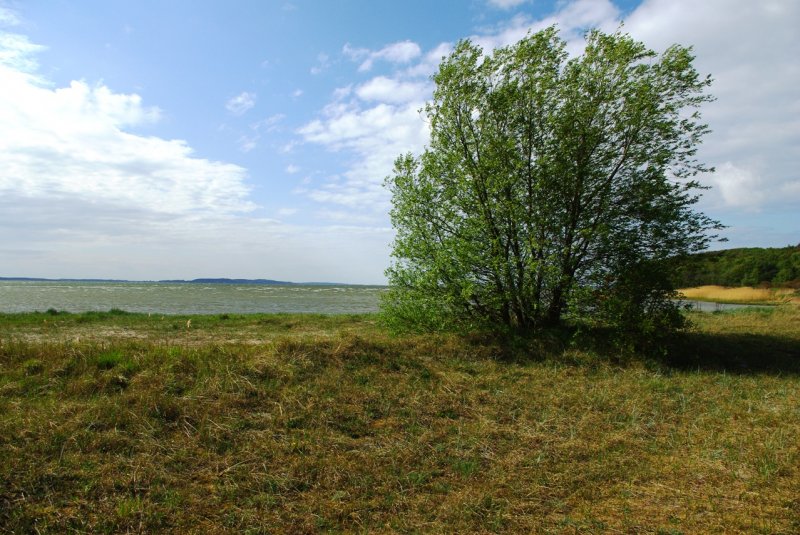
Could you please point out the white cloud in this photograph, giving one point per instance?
(748, 48)
(17, 53)
(73, 237)
(431, 61)
(248, 143)
(739, 188)
(71, 142)
(241, 103)
(572, 18)
(399, 52)
(323, 62)
(376, 136)
(340, 93)
(292, 169)
(390, 90)
(505, 4)
(286, 148)
(286, 212)
(270, 124)
(8, 17)
(350, 217)
(354, 53)
(297, 93)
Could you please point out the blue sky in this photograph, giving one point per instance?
(150, 140)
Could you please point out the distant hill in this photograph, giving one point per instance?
(754, 266)
(269, 282)
(231, 281)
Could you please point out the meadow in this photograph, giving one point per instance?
(117, 422)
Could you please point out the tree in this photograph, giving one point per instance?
(551, 188)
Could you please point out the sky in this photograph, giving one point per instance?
(250, 139)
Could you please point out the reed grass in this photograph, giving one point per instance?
(743, 295)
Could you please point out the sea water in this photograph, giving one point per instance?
(186, 298)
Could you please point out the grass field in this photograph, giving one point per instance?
(112, 422)
(743, 295)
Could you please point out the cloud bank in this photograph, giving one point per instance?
(73, 142)
(83, 195)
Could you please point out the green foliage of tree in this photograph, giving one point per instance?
(552, 188)
(754, 266)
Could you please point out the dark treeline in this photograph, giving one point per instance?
(742, 267)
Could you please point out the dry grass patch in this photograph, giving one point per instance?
(746, 295)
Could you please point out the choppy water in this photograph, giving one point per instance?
(172, 298)
(706, 306)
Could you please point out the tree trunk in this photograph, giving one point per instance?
(553, 317)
